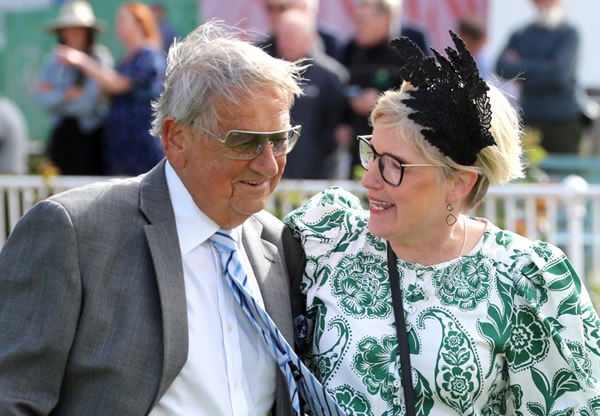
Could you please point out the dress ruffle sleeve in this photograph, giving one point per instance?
(326, 219)
(327, 223)
(552, 332)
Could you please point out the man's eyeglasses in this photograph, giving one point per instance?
(390, 167)
(246, 145)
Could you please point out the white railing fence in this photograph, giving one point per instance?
(566, 214)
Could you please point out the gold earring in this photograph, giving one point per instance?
(451, 218)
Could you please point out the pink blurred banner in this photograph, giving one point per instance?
(436, 17)
(245, 14)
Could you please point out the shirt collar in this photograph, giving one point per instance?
(193, 226)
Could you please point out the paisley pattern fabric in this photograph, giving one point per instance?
(507, 329)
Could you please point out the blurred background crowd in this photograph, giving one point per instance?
(77, 78)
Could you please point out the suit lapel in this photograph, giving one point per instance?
(161, 234)
(271, 275)
(272, 280)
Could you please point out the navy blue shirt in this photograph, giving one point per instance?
(548, 65)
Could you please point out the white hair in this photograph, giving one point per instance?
(213, 63)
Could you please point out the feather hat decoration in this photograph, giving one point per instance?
(450, 102)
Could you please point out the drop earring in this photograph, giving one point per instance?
(451, 218)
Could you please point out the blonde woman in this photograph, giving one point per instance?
(492, 323)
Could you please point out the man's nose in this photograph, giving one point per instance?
(265, 162)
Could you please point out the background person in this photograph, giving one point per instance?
(472, 29)
(13, 138)
(128, 147)
(544, 57)
(372, 64)
(113, 298)
(496, 324)
(74, 100)
(325, 42)
(319, 110)
(168, 33)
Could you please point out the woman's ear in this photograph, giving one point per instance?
(460, 185)
(173, 141)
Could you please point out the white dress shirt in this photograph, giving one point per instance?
(229, 370)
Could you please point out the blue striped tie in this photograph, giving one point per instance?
(299, 378)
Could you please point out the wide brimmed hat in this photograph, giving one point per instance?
(77, 13)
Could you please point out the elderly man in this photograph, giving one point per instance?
(325, 42)
(319, 109)
(114, 298)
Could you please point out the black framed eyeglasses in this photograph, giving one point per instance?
(390, 167)
(246, 145)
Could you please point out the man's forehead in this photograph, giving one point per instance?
(268, 111)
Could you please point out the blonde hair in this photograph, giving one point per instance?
(213, 63)
(495, 165)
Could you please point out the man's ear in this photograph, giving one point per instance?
(173, 141)
(462, 183)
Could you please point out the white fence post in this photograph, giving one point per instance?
(575, 186)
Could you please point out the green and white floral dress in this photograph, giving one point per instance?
(508, 329)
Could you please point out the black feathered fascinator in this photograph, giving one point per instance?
(451, 101)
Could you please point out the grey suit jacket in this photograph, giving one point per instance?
(92, 299)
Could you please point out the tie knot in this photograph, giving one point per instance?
(224, 239)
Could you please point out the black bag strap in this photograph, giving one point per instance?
(409, 395)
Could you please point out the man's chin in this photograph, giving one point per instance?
(243, 211)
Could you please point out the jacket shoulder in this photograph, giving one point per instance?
(97, 193)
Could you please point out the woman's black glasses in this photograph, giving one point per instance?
(390, 167)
